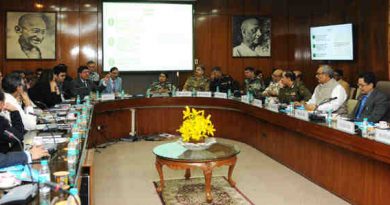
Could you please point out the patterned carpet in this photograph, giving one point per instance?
(191, 192)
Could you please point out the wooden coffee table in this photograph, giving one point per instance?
(175, 156)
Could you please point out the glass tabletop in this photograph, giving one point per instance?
(175, 151)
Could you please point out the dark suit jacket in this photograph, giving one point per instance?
(17, 128)
(79, 88)
(375, 108)
(12, 158)
(41, 92)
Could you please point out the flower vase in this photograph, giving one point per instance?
(203, 144)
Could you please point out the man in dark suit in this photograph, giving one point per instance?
(82, 86)
(373, 104)
(8, 155)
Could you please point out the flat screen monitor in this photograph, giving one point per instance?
(333, 42)
(147, 36)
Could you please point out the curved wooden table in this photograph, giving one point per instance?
(175, 156)
(354, 168)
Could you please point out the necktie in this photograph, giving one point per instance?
(86, 84)
(361, 106)
(113, 86)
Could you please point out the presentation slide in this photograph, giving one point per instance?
(333, 42)
(147, 36)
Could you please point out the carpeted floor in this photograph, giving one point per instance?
(192, 191)
(124, 174)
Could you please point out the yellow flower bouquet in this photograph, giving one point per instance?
(196, 129)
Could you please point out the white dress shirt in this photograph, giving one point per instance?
(338, 92)
(29, 121)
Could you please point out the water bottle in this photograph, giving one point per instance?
(44, 190)
(72, 160)
(217, 89)
(193, 92)
(329, 117)
(365, 127)
(97, 95)
(291, 111)
(173, 91)
(148, 93)
(229, 93)
(122, 94)
(266, 101)
(73, 198)
(78, 100)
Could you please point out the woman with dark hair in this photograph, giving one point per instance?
(162, 86)
(45, 93)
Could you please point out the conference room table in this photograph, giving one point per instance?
(354, 168)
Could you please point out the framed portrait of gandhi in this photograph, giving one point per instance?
(31, 35)
(251, 36)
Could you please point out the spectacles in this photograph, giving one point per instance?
(361, 85)
(319, 73)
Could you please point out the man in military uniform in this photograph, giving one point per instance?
(292, 91)
(223, 82)
(198, 81)
(273, 88)
(162, 86)
(251, 83)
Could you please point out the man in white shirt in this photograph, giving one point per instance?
(15, 95)
(327, 89)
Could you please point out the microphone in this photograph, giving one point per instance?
(323, 102)
(11, 135)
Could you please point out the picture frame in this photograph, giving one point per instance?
(30, 35)
(251, 36)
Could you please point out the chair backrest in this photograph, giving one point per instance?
(384, 87)
(357, 93)
(351, 104)
(352, 93)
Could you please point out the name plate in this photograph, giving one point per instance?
(382, 136)
(302, 114)
(345, 126)
(220, 95)
(273, 107)
(183, 94)
(203, 94)
(257, 103)
(244, 99)
(108, 96)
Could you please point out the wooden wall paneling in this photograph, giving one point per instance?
(234, 7)
(219, 48)
(70, 5)
(251, 7)
(202, 7)
(88, 37)
(68, 36)
(89, 5)
(203, 39)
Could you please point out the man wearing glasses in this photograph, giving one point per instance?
(329, 94)
(82, 85)
(373, 104)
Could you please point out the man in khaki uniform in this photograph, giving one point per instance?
(292, 91)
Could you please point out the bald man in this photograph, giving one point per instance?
(32, 30)
(250, 45)
(273, 89)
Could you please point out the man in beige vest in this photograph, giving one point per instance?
(328, 88)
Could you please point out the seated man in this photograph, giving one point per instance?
(198, 81)
(223, 82)
(338, 76)
(291, 91)
(373, 104)
(273, 89)
(162, 86)
(114, 84)
(252, 83)
(8, 144)
(60, 72)
(327, 89)
(13, 87)
(82, 85)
